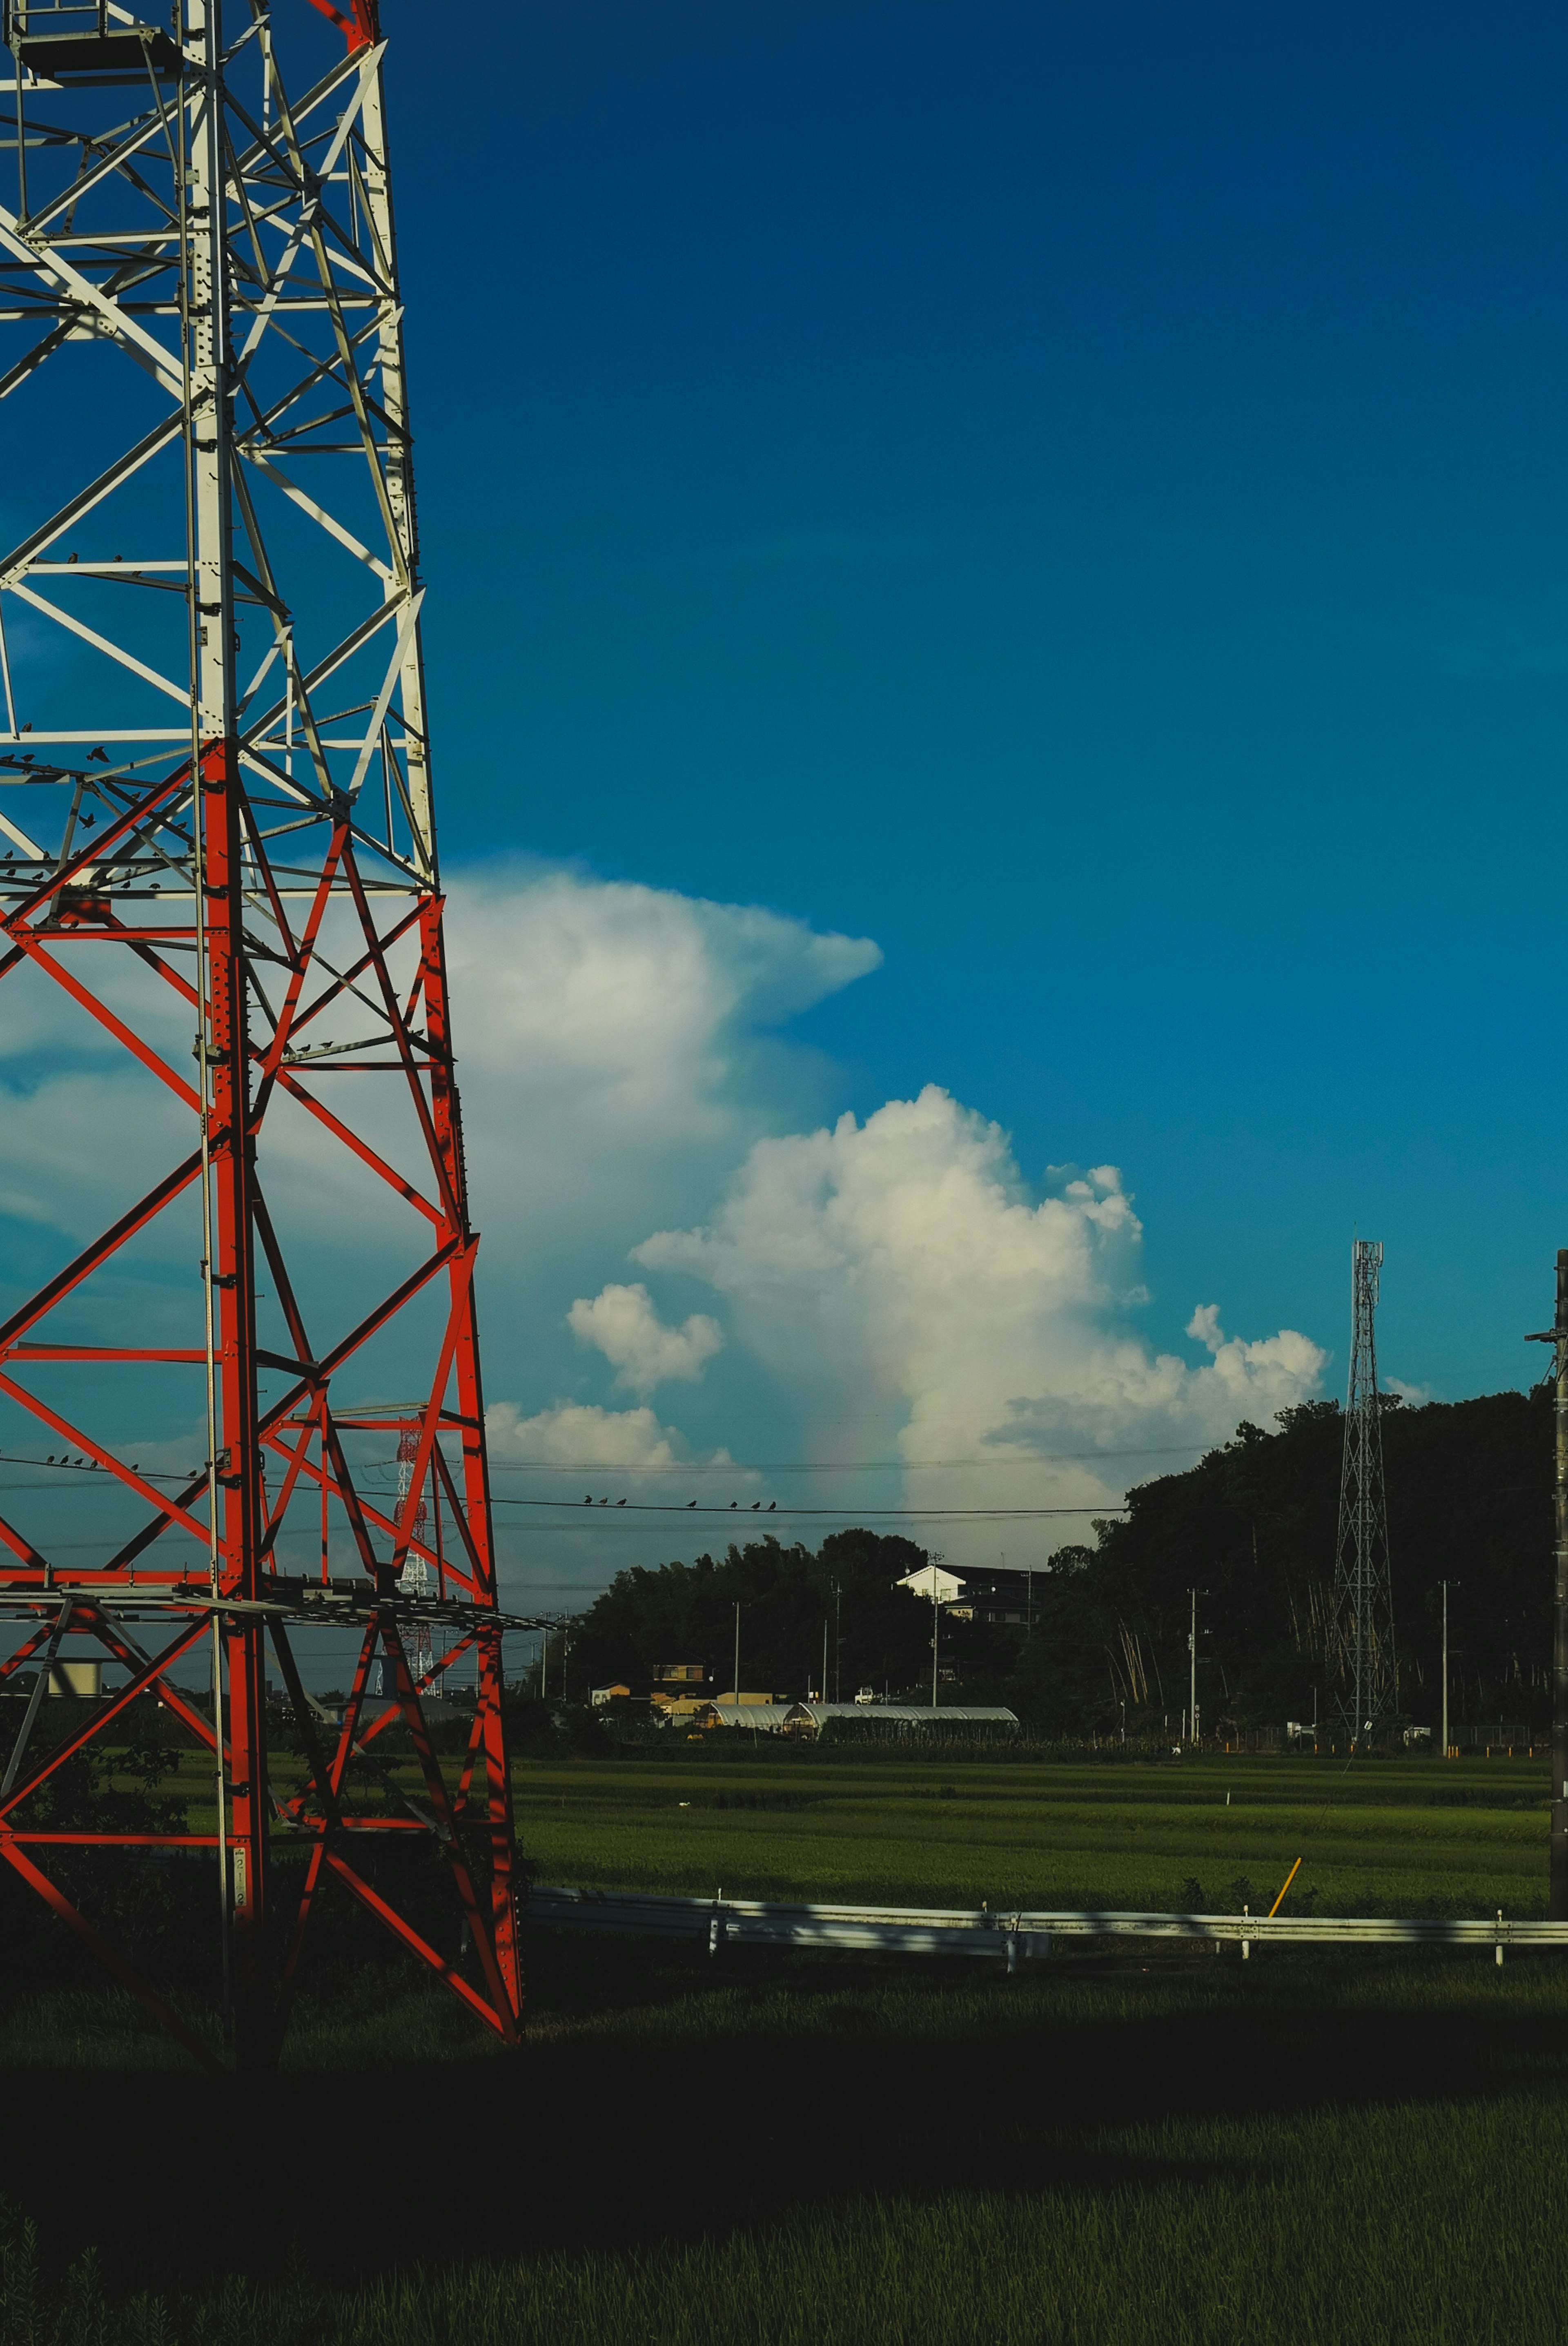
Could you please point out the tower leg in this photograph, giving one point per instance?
(236, 1491)
(1559, 1893)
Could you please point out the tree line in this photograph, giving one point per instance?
(1252, 1527)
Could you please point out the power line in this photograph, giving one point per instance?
(836, 1466)
(603, 1509)
(689, 1468)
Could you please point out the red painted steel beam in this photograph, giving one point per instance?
(76, 1439)
(103, 1717)
(500, 2021)
(115, 1839)
(92, 1258)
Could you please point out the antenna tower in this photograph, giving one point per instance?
(218, 857)
(1360, 1657)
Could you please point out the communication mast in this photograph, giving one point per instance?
(1360, 1656)
(219, 882)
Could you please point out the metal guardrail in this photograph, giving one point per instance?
(1009, 1937)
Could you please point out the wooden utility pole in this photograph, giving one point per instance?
(1557, 1336)
(1447, 1747)
(1192, 1670)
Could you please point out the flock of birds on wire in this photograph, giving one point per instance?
(756, 1505)
(589, 1499)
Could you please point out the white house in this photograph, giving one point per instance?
(933, 1582)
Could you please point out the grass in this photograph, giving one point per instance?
(1383, 1838)
(806, 2151)
(1267, 2231)
(1111, 2150)
(1379, 1837)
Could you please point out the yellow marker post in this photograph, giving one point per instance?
(1288, 1879)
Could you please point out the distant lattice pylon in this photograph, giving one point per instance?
(1362, 1680)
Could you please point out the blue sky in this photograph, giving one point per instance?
(994, 572)
(1076, 495)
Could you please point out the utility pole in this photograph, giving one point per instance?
(1192, 1672)
(936, 1619)
(1557, 1336)
(935, 1632)
(837, 1642)
(738, 1662)
(1445, 1670)
(1360, 1645)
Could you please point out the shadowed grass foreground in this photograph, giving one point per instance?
(1435, 2225)
(804, 2149)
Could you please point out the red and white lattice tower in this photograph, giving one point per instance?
(218, 858)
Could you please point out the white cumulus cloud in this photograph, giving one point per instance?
(622, 1323)
(597, 1017)
(579, 1434)
(894, 1287)
(1264, 1376)
(619, 1047)
(895, 1276)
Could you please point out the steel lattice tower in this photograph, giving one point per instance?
(1363, 1688)
(218, 844)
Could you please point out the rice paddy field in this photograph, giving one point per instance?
(1116, 2149)
(1380, 1837)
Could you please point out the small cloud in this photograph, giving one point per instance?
(1417, 1396)
(579, 1433)
(622, 1323)
(1275, 1372)
(1204, 1327)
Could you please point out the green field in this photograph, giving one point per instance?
(1407, 1837)
(1123, 2147)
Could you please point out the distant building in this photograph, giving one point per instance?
(999, 1598)
(600, 1695)
(677, 1673)
(675, 1710)
(810, 1718)
(933, 1582)
(759, 1712)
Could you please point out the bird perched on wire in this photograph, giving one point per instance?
(733, 1505)
(755, 1505)
(620, 1503)
(771, 1505)
(691, 1503)
(588, 1498)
